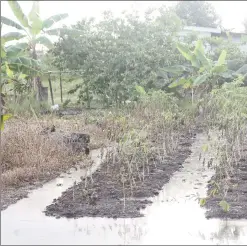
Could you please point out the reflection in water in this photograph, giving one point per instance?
(175, 216)
(230, 231)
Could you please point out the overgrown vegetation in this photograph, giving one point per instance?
(154, 89)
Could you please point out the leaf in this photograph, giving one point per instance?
(22, 76)
(140, 90)
(44, 41)
(225, 206)
(202, 69)
(16, 8)
(16, 50)
(9, 72)
(178, 82)
(199, 46)
(219, 69)
(187, 85)
(195, 62)
(222, 58)
(10, 22)
(175, 69)
(11, 36)
(242, 70)
(3, 119)
(36, 22)
(202, 202)
(214, 192)
(162, 74)
(202, 58)
(234, 64)
(24, 65)
(227, 74)
(205, 148)
(53, 19)
(3, 52)
(184, 51)
(201, 79)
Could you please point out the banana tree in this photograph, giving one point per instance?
(15, 66)
(33, 29)
(200, 70)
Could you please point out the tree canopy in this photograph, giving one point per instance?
(116, 54)
(197, 13)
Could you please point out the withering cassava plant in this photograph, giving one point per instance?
(144, 134)
(225, 110)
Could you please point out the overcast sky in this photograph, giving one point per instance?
(232, 12)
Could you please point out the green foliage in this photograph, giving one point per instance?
(140, 90)
(4, 117)
(17, 11)
(197, 13)
(225, 110)
(116, 54)
(32, 26)
(201, 69)
(202, 202)
(224, 205)
(66, 103)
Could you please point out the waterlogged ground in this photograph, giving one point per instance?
(105, 196)
(174, 217)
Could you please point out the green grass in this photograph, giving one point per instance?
(56, 90)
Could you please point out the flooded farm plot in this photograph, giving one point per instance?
(174, 217)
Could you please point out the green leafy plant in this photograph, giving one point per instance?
(112, 58)
(201, 69)
(34, 30)
(224, 205)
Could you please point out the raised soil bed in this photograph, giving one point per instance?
(105, 196)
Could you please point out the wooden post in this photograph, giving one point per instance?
(61, 87)
(49, 79)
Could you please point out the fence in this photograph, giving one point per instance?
(52, 76)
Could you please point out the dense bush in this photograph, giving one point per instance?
(116, 54)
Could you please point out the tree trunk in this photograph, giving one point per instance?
(61, 86)
(37, 84)
(88, 96)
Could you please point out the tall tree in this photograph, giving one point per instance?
(116, 54)
(197, 13)
(33, 29)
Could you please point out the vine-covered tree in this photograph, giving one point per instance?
(197, 13)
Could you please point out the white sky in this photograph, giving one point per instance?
(232, 12)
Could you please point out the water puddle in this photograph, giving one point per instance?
(174, 218)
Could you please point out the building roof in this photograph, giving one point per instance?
(202, 29)
(212, 30)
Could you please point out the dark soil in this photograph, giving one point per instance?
(104, 197)
(236, 196)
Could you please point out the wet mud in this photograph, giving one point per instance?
(236, 195)
(105, 196)
(174, 211)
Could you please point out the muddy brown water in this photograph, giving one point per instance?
(174, 217)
